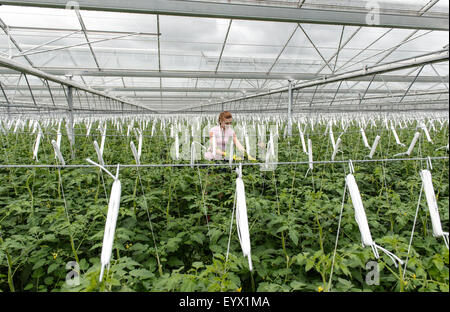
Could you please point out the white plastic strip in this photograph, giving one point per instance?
(310, 155)
(432, 206)
(302, 138)
(36, 145)
(411, 146)
(336, 147)
(89, 128)
(272, 147)
(396, 136)
(128, 130)
(110, 226)
(135, 153)
(58, 152)
(177, 146)
(153, 127)
(247, 144)
(413, 142)
(242, 221)
(333, 143)
(102, 143)
(366, 144)
(139, 151)
(58, 138)
(192, 154)
(70, 134)
(374, 146)
(17, 125)
(361, 220)
(427, 134)
(99, 155)
(360, 214)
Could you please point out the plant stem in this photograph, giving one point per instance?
(10, 274)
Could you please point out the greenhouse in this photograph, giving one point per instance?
(224, 146)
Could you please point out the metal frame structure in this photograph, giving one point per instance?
(245, 12)
(267, 88)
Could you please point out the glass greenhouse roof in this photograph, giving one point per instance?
(198, 61)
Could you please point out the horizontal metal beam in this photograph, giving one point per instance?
(376, 107)
(93, 72)
(93, 31)
(205, 90)
(248, 12)
(369, 71)
(21, 68)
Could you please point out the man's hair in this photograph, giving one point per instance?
(224, 115)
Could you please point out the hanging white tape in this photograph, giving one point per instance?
(361, 220)
(153, 128)
(17, 125)
(36, 145)
(413, 142)
(89, 128)
(128, 130)
(58, 138)
(139, 151)
(374, 146)
(302, 138)
(177, 147)
(411, 146)
(58, 152)
(310, 155)
(34, 126)
(396, 136)
(366, 144)
(102, 143)
(336, 147)
(99, 154)
(192, 154)
(135, 153)
(247, 144)
(70, 134)
(332, 137)
(110, 226)
(427, 134)
(242, 221)
(432, 206)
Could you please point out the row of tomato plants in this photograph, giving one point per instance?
(293, 218)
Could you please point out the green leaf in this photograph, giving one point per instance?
(309, 264)
(38, 264)
(294, 236)
(197, 237)
(296, 285)
(172, 244)
(439, 263)
(197, 264)
(52, 267)
(142, 273)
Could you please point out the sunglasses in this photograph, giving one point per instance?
(228, 123)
